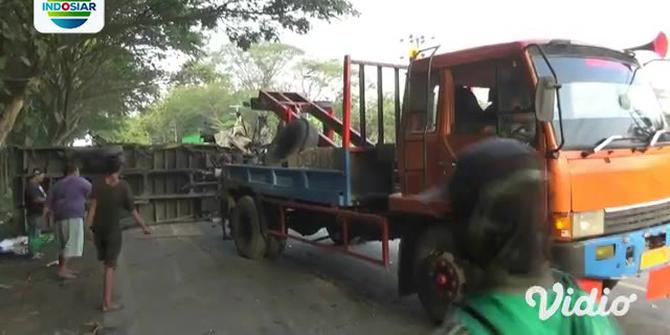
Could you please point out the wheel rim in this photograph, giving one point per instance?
(445, 276)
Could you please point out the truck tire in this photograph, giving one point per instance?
(297, 136)
(245, 226)
(609, 283)
(269, 220)
(438, 278)
(225, 209)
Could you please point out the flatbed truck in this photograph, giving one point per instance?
(587, 110)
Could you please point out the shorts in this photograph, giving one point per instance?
(70, 234)
(108, 245)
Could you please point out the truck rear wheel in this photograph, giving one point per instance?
(609, 284)
(245, 226)
(225, 209)
(438, 278)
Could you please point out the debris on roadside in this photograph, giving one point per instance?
(93, 327)
(17, 246)
(5, 287)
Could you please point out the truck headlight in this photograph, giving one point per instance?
(568, 226)
(588, 224)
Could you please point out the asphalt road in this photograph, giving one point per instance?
(185, 280)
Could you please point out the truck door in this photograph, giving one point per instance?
(490, 98)
(424, 157)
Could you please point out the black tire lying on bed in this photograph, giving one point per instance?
(295, 137)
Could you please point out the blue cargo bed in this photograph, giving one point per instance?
(314, 185)
(329, 176)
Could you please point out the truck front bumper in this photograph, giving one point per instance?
(579, 258)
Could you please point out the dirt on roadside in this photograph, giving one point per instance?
(33, 300)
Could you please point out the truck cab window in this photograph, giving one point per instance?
(514, 107)
(493, 97)
(472, 85)
(423, 103)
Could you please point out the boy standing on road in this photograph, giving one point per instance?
(35, 197)
(110, 197)
(67, 204)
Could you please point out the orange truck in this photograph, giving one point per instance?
(587, 110)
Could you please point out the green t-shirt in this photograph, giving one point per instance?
(111, 202)
(509, 313)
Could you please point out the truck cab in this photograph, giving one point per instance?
(597, 126)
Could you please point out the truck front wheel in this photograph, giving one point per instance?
(245, 226)
(438, 278)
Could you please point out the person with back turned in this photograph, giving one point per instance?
(499, 205)
(110, 197)
(67, 204)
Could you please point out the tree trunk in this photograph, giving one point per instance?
(9, 116)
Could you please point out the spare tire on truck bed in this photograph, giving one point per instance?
(295, 137)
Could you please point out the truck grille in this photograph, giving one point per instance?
(635, 218)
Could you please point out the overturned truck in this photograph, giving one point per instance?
(171, 183)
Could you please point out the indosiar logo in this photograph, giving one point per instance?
(67, 16)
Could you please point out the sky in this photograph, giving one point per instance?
(376, 33)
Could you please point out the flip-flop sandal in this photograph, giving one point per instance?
(112, 309)
(67, 276)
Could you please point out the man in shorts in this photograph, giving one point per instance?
(111, 197)
(35, 197)
(67, 204)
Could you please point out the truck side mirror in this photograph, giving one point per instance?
(545, 98)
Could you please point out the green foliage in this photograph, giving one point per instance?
(190, 109)
(76, 98)
(119, 63)
(196, 72)
(132, 130)
(371, 116)
(260, 66)
(320, 80)
(205, 97)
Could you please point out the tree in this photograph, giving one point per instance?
(147, 30)
(190, 109)
(195, 72)
(260, 66)
(21, 48)
(319, 80)
(133, 130)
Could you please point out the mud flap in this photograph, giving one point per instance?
(406, 283)
(658, 285)
(588, 284)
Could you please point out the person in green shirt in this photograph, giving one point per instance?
(499, 202)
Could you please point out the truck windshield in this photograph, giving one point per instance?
(602, 97)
